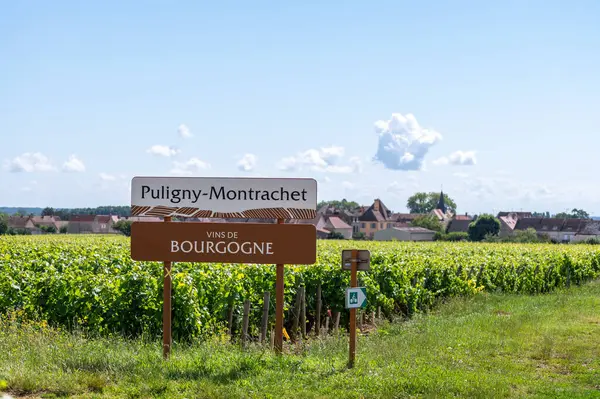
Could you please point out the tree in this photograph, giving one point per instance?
(63, 229)
(124, 226)
(575, 214)
(428, 222)
(48, 211)
(344, 204)
(484, 225)
(48, 229)
(418, 203)
(3, 223)
(423, 202)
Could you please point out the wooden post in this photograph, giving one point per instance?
(373, 317)
(279, 298)
(318, 312)
(353, 284)
(167, 305)
(303, 313)
(326, 329)
(272, 339)
(265, 317)
(245, 321)
(336, 324)
(230, 319)
(379, 312)
(296, 321)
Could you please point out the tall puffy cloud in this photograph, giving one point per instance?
(73, 164)
(30, 162)
(403, 143)
(247, 163)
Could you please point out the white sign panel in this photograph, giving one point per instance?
(363, 260)
(213, 197)
(356, 297)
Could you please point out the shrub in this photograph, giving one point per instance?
(123, 226)
(335, 235)
(359, 235)
(454, 237)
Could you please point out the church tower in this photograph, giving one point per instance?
(441, 203)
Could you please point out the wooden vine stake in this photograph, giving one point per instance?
(265, 317)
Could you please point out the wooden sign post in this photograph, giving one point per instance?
(355, 297)
(167, 339)
(232, 198)
(279, 299)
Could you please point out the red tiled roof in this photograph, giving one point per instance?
(338, 223)
(459, 226)
(17, 222)
(510, 222)
(104, 218)
(463, 217)
(44, 220)
(83, 218)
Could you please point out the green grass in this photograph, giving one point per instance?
(489, 346)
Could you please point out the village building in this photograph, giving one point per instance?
(404, 234)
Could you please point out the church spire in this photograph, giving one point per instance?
(441, 203)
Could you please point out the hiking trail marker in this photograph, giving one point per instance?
(231, 198)
(356, 297)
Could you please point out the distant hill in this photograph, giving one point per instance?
(65, 213)
(596, 217)
(27, 211)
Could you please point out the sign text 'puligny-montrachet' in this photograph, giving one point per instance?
(205, 197)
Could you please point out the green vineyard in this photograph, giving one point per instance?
(90, 282)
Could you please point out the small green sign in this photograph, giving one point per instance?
(356, 297)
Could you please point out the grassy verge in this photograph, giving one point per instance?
(490, 346)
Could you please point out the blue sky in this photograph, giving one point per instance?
(496, 101)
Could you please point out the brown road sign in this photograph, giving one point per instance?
(224, 242)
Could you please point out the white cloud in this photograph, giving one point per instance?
(107, 177)
(73, 164)
(247, 163)
(191, 166)
(460, 175)
(162, 150)
(324, 159)
(356, 163)
(347, 184)
(458, 158)
(184, 131)
(403, 143)
(395, 188)
(441, 161)
(30, 162)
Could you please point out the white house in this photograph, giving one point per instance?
(404, 234)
